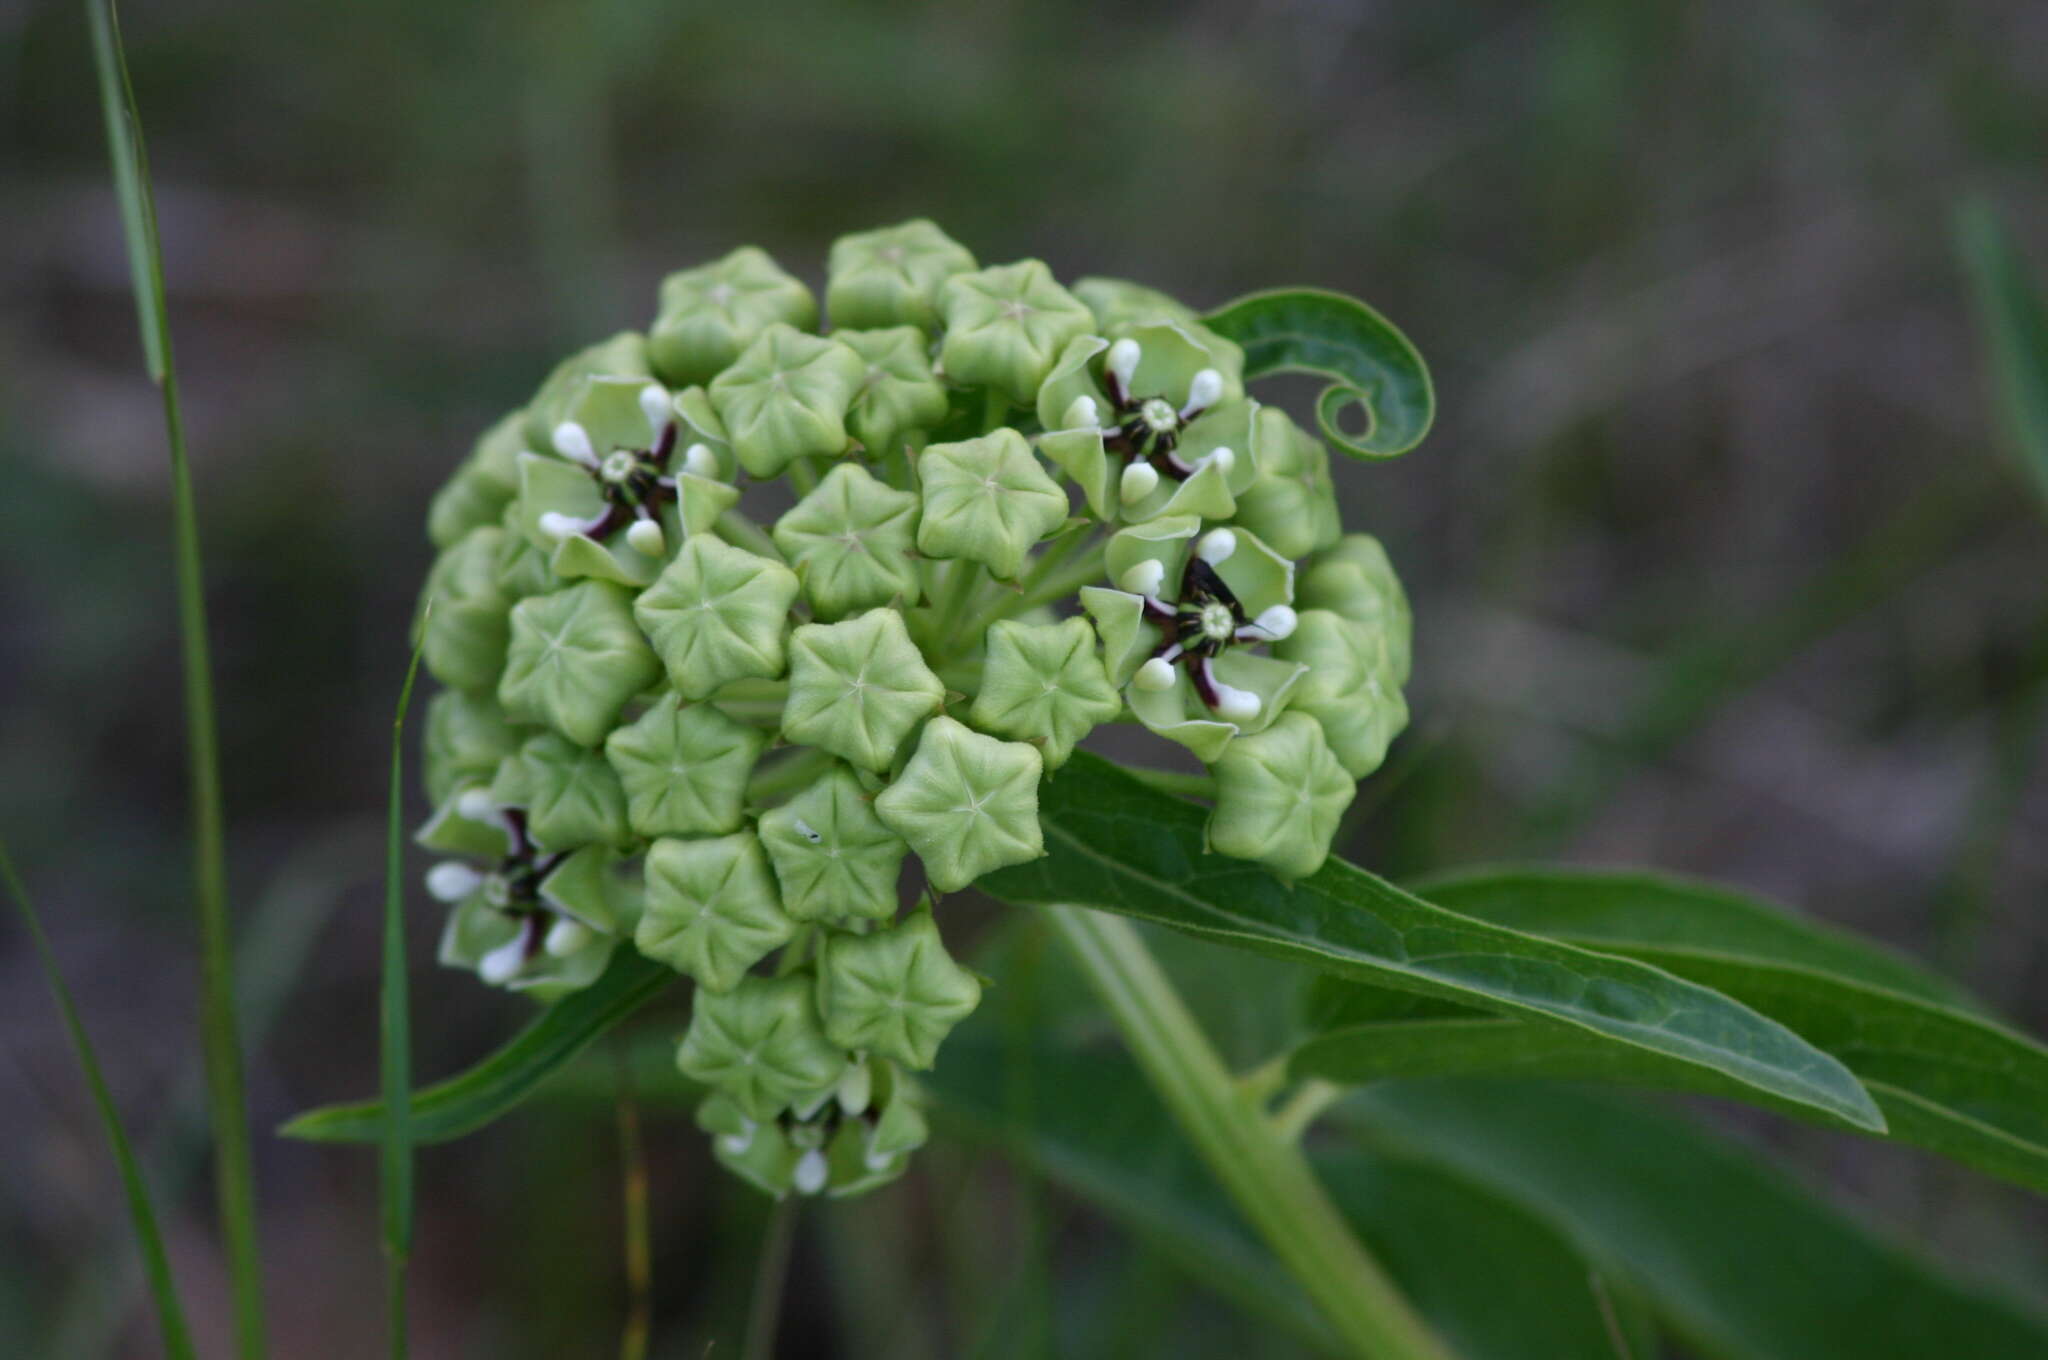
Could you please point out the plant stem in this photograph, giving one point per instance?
(776, 1241)
(1264, 1173)
(395, 1156)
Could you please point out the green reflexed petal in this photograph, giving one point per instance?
(523, 569)
(786, 398)
(1279, 795)
(586, 886)
(1127, 639)
(966, 803)
(684, 769)
(1273, 680)
(451, 833)
(858, 688)
(1170, 353)
(608, 408)
(711, 909)
(552, 485)
(571, 796)
(624, 355)
(1355, 579)
(697, 422)
(575, 658)
(547, 978)
(892, 276)
(832, 855)
(1165, 541)
(1350, 687)
(717, 614)
(1232, 425)
(1178, 715)
(894, 992)
(1005, 325)
(759, 1154)
(467, 735)
(474, 928)
(1117, 302)
(1203, 495)
(464, 613)
(1044, 683)
(761, 1044)
(482, 487)
(1258, 576)
(1074, 375)
(850, 541)
(710, 313)
(986, 500)
(899, 396)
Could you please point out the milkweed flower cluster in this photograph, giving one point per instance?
(759, 751)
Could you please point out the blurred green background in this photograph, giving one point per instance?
(1718, 558)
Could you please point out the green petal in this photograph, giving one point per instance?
(986, 500)
(1166, 541)
(761, 1044)
(575, 658)
(966, 803)
(858, 688)
(894, 992)
(464, 613)
(1044, 683)
(717, 614)
(571, 796)
(786, 398)
(711, 909)
(451, 833)
(684, 768)
(1279, 796)
(892, 276)
(586, 886)
(1258, 576)
(832, 855)
(624, 356)
(1127, 637)
(850, 541)
(1350, 686)
(1005, 325)
(710, 313)
(1179, 715)
(899, 396)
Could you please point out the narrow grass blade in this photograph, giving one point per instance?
(395, 1150)
(2013, 317)
(170, 1313)
(234, 1176)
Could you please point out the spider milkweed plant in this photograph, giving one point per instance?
(764, 631)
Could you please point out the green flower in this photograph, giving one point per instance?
(684, 769)
(570, 794)
(966, 803)
(1005, 325)
(832, 855)
(873, 1148)
(1349, 687)
(893, 992)
(759, 1154)
(1279, 795)
(1292, 505)
(463, 624)
(899, 396)
(857, 688)
(467, 735)
(1356, 580)
(717, 614)
(761, 1044)
(482, 487)
(622, 356)
(711, 909)
(575, 659)
(786, 398)
(710, 313)
(892, 276)
(1044, 683)
(850, 541)
(986, 500)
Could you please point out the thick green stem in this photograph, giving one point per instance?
(742, 532)
(1264, 1172)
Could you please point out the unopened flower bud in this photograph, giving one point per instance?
(1139, 480)
(452, 880)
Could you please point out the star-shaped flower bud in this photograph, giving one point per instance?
(832, 855)
(1349, 687)
(850, 541)
(711, 909)
(710, 313)
(622, 356)
(966, 803)
(523, 569)
(467, 735)
(570, 794)
(761, 1044)
(858, 688)
(575, 659)
(1119, 303)
(785, 398)
(894, 992)
(1044, 683)
(892, 276)
(899, 396)
(1356, 580)
(684, 769)
(1292, 505)
(482, 487)
(986, 500)
(717, 614)
(1005, 325)
(463, 625)
(1279, 795)
(1153, 422)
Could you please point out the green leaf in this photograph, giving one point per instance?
(170, 1312)
(395, 1159)
(2014, 320)
(1948, 1079)
(1739, 1261)
(1367, 360)
(1113, 842)
(496, 1086)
